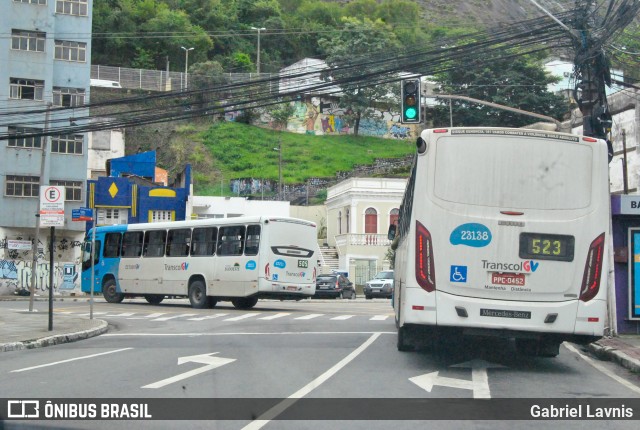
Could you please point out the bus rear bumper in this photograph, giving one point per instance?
(572, 318)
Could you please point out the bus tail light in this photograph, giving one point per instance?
(425, 273)
(266, 271)
(592, 270)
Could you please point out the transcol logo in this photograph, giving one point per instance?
(523, 266)
(180, 267)
(297, 274)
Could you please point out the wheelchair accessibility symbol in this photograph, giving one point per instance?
(458, 274)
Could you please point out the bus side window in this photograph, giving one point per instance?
(231, 240)
(132, 244)
(203, 242)
(253, 240)
(154, 243)
(178, 242)
(112, 242)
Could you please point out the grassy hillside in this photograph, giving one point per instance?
(228, 150)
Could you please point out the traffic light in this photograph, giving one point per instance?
(410, 93)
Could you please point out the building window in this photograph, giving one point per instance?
(67, 144)
(339, 222)
(371, 221)
(26, 89)
(393, 216)
(44, 2)
(68, 97)
(72, 7)
(72, 190)
(110, 216)
(23, 40)
(24, 142)
(71, 51)
(160, 216)
(348, 216)
(22, 186)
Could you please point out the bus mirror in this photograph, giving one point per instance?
(421, 145)
(391, 234)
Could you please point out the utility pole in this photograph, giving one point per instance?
(34, 250)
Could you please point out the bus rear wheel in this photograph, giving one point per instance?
(154, 299)
(244, 302)
(404, 343)
(110, 292)
(198, 295)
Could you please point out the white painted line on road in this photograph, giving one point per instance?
(89, 313)
(343, 317)
(272, 317)
(71, 359)
(172, 317)
(288, 333)
(603, 369)
(208, 317)
(272, 413)
(146, 317)
(310, 316)
(242, 317)
(126, 314)
(379, 318)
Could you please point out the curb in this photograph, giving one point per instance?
(56, 339)
(612, 354)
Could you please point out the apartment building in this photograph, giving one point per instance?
(44, 82)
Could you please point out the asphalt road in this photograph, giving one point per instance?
(342, 351)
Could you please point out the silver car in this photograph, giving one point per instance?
(380, 286)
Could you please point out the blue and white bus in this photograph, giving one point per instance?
(503, 232)
(238, 259)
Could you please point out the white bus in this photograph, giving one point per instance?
(503, 232)
(238, 259)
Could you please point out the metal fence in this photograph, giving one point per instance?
(161, 80)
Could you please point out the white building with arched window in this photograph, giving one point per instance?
(359, 212)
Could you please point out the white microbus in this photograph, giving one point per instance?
(503, 232)
(238, 259)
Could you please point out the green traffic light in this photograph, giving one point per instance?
(410, 113)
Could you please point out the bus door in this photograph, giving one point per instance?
(177, 264)
(152, 262)
(232, 271)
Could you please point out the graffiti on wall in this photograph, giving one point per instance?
(17, 275)
(322, 117)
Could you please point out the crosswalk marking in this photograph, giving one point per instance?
(272, 317)
(89, 314)
(310, 316)
(343, 317)
(208, 317)
(145, 317)
(172, 317)
(241, 317)
(125, 314)
(379, 318)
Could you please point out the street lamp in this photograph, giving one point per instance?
(186, 65)
(258, 57)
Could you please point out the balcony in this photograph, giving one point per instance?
(366, 239)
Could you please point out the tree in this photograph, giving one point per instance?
(355, 43)
(518, 81)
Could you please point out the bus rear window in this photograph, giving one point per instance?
(523, 174)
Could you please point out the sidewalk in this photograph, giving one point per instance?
(21, 329)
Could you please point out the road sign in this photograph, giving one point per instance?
(82, 214)
(52, 206)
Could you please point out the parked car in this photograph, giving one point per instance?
(334, 285)
(380, 286)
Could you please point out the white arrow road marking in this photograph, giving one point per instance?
(310, 316)
(479, 379)
(71, 359)
(272, 317)
(206, 359)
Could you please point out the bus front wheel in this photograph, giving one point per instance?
(244, 302)
(110, 292)
(198, 295)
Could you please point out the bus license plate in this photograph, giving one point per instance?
(292, 288)
(507, 278)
